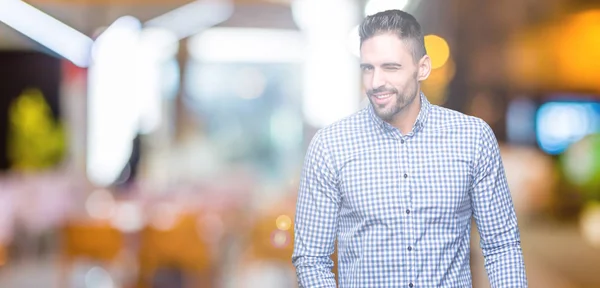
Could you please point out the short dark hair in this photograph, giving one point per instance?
(398, 22)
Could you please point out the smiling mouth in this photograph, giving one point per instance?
(383, 96)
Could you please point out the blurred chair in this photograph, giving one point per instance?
(96, 241)
(179, 247)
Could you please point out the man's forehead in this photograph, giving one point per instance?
(381, 56)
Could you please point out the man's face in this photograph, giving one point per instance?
(389, 74)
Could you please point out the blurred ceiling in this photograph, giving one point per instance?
(87, 16)
(478, 40)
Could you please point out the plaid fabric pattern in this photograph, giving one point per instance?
(400, 206)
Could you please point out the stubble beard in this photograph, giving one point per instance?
(402, 102)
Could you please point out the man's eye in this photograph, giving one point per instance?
(366, 68)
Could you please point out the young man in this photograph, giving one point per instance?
(396, 184)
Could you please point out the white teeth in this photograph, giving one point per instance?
(383, 96)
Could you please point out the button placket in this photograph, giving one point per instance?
(409, 221)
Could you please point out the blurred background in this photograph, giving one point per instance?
(155, 143)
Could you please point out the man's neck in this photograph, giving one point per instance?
(405, 119)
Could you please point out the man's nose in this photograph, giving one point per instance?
(378, 80)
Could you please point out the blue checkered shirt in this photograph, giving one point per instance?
(400, 206)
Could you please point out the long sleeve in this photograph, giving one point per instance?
(495, 216)
(315, 225)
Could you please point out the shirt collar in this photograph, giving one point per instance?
(419, 124)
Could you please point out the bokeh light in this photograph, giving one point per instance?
(560, 124)
(164, 216)
(438, 50)
(567, 45)
(578, 50)
(97, 277)
(284, 222)
(128, 217)
(581, 163)
(280, 239)
(100, 204)
(590, 224)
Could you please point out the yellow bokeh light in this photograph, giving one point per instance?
(438, 50)
(578, 50)
(567, 45)
(283, 222)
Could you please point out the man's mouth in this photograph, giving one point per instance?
(383, 95)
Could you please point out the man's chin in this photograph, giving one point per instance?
(384, 113)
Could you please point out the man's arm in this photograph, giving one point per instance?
(495, 216)
(315, 225)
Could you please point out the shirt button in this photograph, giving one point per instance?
(407, 211)
(405, 175)
(409, 248)
(401, 141)
(410, 285)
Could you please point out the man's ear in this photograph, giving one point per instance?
(424, 68)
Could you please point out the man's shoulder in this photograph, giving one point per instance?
(342, 136)
(443, 117)
(346, 126)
